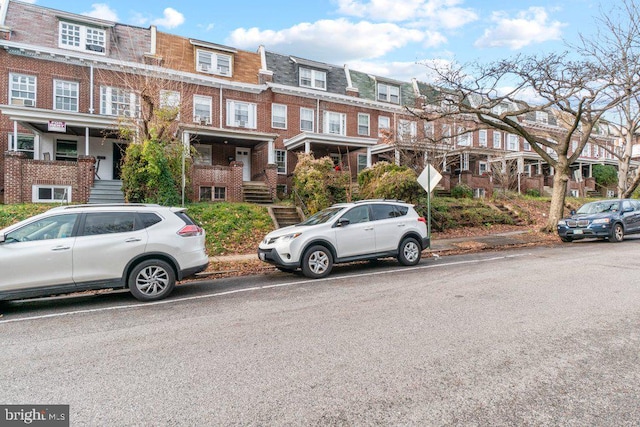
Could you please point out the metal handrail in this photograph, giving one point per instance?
(297, 201)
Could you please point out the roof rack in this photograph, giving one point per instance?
(380, 200)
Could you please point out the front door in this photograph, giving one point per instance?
(119, 150)
(244, 155)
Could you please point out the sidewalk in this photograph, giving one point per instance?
(444, 246)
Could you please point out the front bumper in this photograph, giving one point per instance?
(273, 257)
(590, 232)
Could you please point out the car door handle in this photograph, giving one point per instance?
(61, 248)
(368, 229)
(133, 239)
(401, 225)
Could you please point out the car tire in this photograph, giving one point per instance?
(566, 239)
(317, 262)
(409, 252)
(617, 233)
(151, 280)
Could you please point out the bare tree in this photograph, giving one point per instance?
(576, 90)
(616, 47)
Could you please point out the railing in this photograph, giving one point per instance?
(297, 201)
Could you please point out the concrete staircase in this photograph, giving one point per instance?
(284, 216)
(256, 192)
(106, 191)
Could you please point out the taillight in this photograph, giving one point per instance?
(421, 219)
(190, 231)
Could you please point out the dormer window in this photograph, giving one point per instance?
(213, 63)
(82, 37)
(542, 117)
(315, 79)
(388, 93)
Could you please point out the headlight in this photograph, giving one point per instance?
(287, 237)
(562, 222)
(601, 221)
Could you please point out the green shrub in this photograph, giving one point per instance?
(605, 175)
(318, 184)
(389, 181)
(462, 191)
(533, 192)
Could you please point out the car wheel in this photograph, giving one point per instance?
(566, 239)
(152, 280)
(317, 262)
(617, 233)
(410, 252)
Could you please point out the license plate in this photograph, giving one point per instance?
(261, 255)
(577, 231)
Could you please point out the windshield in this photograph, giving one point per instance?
(322, 216)
(599, 207)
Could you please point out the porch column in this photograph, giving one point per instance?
(368, 157)
(14, 147)
(86, 141)
(307, 147)
(271, 153)
(396, 156)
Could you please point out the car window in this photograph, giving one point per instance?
(149, 218)
(53, 227)
(357, 215)
(108, 222)
(322, 216)
(384, 211)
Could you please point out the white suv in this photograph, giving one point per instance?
(145, 248)
(346, 232)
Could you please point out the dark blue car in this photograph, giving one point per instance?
(604, 219)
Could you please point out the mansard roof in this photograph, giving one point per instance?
(285, 71)
(366, 85)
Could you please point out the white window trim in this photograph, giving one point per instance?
(388, 95)
(497, 140)
(214, 68)
(27, 102)
(204, 100)
(10, 143)
(251, 114)
(204, 156)
(368, 125)
(360, 156)
(35, 188)
(313, 119)
(314, 73)
(284, 152)
(380, 127)
(107, 108)
(342, 117)
(55, 94)
(273, 116)
(83, 38)
(482, 138)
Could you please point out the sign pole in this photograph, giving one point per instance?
(429, 208)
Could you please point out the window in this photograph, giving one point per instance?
(108, 223)
(281, 190)
(363, 124)
(241, 114)
(66, 150)
(428, 130)
(483, 167)
(202, 109)
(54, 227)
(213, 63)
(482, 138)
(281, 161)
(497, 139)
(542, 117)
(50, 193)
(306, 119)
(203, 154)
(381, 211)
(213, 193)
(464, 138)
(357, 215)
(526, 146)
(388, 93)
(315, 79)
(465, 161)
(65, 95)
(335, 123)
(22, 90)
(512, 142)
(446, 134)
(384, 125)
(26, 144)
(407, 130)
(170, 100)
(362, 162)
(278, 116)
(118, 102)
(80, 37)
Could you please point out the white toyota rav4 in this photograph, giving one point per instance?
(144, 248)
(346, 232)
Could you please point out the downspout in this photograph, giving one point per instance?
(220, 118)
(317, 129)
(91, 110)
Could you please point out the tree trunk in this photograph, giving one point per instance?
(556, 210)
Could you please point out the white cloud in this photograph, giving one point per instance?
(530, 26)
(171, 19)
(400, 70)
(102, 11)
(334, 41)
(434, 13)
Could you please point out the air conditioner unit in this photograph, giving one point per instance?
(196, 119)
(29, 103)
(242, 124)
(203, 67)
(207, 120)
(223, 71)
(95, 48)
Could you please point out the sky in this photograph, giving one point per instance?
(391, 38)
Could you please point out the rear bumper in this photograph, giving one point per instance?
(188, 272)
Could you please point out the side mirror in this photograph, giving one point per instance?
(342, 222)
